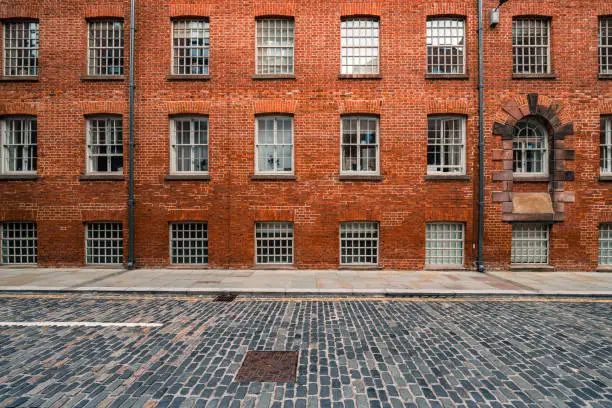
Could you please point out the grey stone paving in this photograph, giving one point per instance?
(353, 354)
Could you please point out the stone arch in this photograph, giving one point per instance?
(531, 206)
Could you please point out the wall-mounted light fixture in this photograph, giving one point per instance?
(494, 14)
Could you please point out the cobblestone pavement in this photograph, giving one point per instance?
(352, 353)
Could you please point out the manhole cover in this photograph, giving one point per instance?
(268, 366)
(227, 297)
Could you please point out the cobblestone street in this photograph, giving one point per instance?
(352, 352)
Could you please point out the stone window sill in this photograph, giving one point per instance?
(274, 266)
(534, 267)
(444, 268)
(186, 177)
(552, 75)
(604, 77)
(101, 177)
(188, 267)
(259, 77)
(447, 76)
(445, 177)
(604, 268)
(272, 177)
(530, 179)
(605, 177)
(18, 177)
(18, 79)
(360, 177)
(360, 76)
(103, 78)
(360, 267)
(173, 77)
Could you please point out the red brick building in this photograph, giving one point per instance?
(315, 134)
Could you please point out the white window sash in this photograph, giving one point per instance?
(275, 118)
(345, 68)
(25, 50)
(605, 168)
(192, 144)
(443, 121)
(90, 144)
(532, 48)
(461, 67)
(4, 147)
(205, 29)
(290, 68)
(377, 146)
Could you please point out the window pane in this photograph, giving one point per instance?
(530, 147)
(21, 48)
(444, 244)
(530, 243)
(274, 242)
(445, 46)
(606, 144)
(274, 40)
(19, 243)
(19, 146)
(104, 243)
(360, 42)
(105, 48)
(359, 144)
(191, 47)
(188, 243)
(445, 145)
(274, 144)
(359, 243)
(105, 144)
(531, 50)
(189, 144)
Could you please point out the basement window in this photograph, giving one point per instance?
(189, 145)
(445, 145)
(605, 244)
(605, 45)
(19, 242)
(18, 142)
(190, 47)
(105, 145)
(530, 244)
(274, 242)
(105, 54)
(104, 243)
(189, 243)
(359, 243)
(444, 244)
(531, 45)
(359, 46)
(606, 146)
(20, 49)
(275, 41)
(445, 45)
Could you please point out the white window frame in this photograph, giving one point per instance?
(276, 225)
(276, 144)
(344, 68)
(98, 70)
(532, 230)
(545, 151)
(88, 146)
(174, 69)
(444, 119)
(605, 244)
(377, 145)
(356, 226)
(605, 141)
(4, 155)
(430, 46)
(87, 228)
(515, 47)
(34, 240)
(5, 67)
(203, 240)
(288, 69)
(605, 64)
(173, 144)
(443, 244)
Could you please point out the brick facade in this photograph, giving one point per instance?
(403, 200)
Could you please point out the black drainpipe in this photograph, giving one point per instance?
(481, 161)
(131, 261)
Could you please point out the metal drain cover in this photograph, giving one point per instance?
(226, 297)
(268, 366)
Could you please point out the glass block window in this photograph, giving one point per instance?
(531, 45)
(188, 243)
(605, 244)
(445, 45)
(18, 141)
(105, 145)
(190, 47)
(20, 46)
(359, 243)
(105, 48)
(605, 45)
(19, 243)
(445, 145)
(605, 151)
(104, 243)
(359, 38)
(274, 144)
(530, 243)
(274, 242)
(275, 39)
(530, 147)
(189, 144)
(359, 145)
(444, 243)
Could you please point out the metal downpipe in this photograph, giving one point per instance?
(131, 260)
(481, 161)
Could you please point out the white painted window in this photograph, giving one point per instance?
(20, 48)
(605, 45)
(19, 243)
(104, 243)
(189, 144)
(530, 243)
(359, 145)
(190, 47)
(605, 244)
(105, 145)
(275, 41)
(188, 243)
(606, 146)
(359, 38)
(444, 243)
(359, 243)
(445, 45)
(105, 53)
(18, 145)
(274, 242)
(531, 45)
(445, 145)
(530, 148)
(274, 144)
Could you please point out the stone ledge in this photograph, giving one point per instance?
(101, 177)
(535, 76)
(19, 177)
(360, 76)
(272, 177)
(172, 77)
(18, 79)
(460, 77)
(358, 177)
(103, 78)
(186, 177)
(449, 177)
(260, 77)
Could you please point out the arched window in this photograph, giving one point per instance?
(530, 146)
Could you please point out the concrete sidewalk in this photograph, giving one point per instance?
(305, 282)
